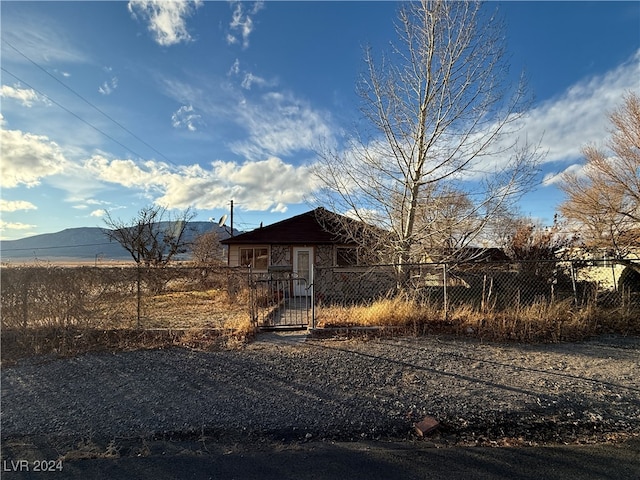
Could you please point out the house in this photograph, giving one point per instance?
(600, 266)
(317, 237)
(470, 255)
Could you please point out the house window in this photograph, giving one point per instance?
(346, 256)
(257, 258)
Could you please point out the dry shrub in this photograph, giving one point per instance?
(87, 449)
(70, 342)
(541, 321)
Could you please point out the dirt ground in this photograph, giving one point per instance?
(291, 387)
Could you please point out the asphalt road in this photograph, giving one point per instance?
(357, 460)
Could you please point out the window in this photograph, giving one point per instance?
(257, 258)
(346, 256)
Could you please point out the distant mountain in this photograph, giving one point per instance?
(84, 243)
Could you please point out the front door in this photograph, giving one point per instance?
(302, 259)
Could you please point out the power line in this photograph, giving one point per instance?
(72, 113)
(55, 247)
(87, 102)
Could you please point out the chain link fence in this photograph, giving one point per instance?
(215, 297)
(480, 286)
(122, 297)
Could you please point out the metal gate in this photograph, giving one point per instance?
(274, 304)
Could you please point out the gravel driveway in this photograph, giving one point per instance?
(285, 387)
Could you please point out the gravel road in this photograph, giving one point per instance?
(289, 387)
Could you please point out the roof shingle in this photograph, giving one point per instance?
(313, 227)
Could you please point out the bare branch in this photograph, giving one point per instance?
(604, 199)
(152, 238)
(438, 112)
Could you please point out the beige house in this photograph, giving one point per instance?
(294, 245)
(601, 267)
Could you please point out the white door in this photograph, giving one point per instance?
(302, 259)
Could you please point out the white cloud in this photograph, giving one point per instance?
(235, 68)
(27, 158)
(184, 117)
(125, 172)
(15, 226)
(269, 184)
(271, 124)
(40, 38)
(580, 116)
(242, 21)
(109, 86)
(26, 96)
(565, 124)
(166, 18)
(280, 124)
(15, 205)
(98, 213)
(552, 178)
(250, 79)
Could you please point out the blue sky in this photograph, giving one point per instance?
(112, 106)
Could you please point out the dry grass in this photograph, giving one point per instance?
(195, 309)
(538, 322)
(71, 311)
(205, 320)
(386, 312)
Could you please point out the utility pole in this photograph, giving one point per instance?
(232, 218)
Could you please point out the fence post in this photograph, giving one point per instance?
(138, 295)
(25, 299)
(313, 296)
(252, 297)
(444, 288)
(573, 282)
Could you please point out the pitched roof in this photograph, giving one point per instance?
(313, 227)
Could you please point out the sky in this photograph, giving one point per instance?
(114, 106)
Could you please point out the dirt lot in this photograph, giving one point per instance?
(287, 387)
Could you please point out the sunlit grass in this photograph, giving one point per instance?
(540, 321)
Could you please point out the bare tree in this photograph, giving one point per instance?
(536, 250)
(438, 144)
(530, 241)
(153, 237)
(604, 198)
(453, 215)
(206, 249)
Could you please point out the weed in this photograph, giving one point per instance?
(88, 449)
(541, 321)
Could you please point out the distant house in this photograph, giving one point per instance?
(317, 237)
(467, 255)
(600, 266)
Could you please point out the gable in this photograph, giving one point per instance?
(309, 228)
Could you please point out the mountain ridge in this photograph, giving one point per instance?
(84, 243)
